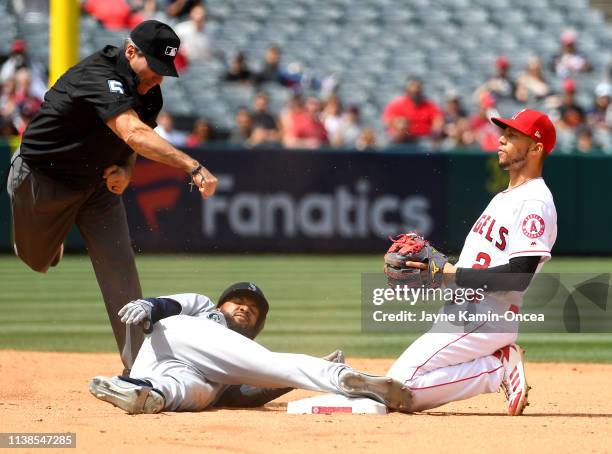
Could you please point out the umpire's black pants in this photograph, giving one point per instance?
(44, 210)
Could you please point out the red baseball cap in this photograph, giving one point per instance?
(532, 123)
(570, 85)
(502, 62)
(18, 46)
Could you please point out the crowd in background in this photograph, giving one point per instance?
(315, 116)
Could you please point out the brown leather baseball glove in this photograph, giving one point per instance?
(411, 247)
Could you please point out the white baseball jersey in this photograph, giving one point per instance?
(442, 367)
(193, 357)
(518, 222)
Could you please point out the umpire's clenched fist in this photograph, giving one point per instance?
(205, 181)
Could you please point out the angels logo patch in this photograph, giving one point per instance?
(533, 226)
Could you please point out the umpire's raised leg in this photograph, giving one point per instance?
(76, 160)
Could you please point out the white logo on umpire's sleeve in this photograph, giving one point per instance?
(116, 87)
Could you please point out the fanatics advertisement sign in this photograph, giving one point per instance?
(281, 201)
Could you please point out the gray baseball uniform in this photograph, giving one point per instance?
(193, 357)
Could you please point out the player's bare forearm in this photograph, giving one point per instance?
(146, 142)
(449, 269)
(149, 144)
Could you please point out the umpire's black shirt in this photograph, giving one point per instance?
(68, 138)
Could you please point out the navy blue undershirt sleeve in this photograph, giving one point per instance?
(163, 307)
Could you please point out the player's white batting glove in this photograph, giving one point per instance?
(135, 312)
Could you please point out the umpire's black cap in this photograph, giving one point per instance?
(250, 290)
(159, 44)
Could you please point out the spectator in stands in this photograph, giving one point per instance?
(8, 103)
(457, 132)
(294, 76)
(423, 117)
(485, 132)
(307, 129)
(26, 103)
(501, 84)
(287, 115)
(569, 113)
(201, 133)
(195, 44)
(453, 110)
(531, 84)
(148, 9)
(19, 58)
(458, 135)
(271, 70)
(350, 127)
(600, 115)
(569, 61)
(180, 8)
(261, 137)
(585, 142)
(265, 125)
(113, 14)
(165, 128)
(7, 129)
(238, 70)
(243, 128)
(366, 140)
(17, 104)
(332, 119)
(397, 131)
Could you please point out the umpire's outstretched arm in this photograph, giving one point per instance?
(146, 142)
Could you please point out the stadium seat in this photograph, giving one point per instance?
(372, 46)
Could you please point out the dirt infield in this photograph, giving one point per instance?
(571, 410)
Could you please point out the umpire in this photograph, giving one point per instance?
(77, 157)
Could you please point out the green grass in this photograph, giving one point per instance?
(315, 303)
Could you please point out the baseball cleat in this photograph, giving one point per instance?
(385, 390)
(134, 399)
(514, 382)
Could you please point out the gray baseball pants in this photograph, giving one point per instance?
(44, 210)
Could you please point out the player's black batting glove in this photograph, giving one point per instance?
(411, 247)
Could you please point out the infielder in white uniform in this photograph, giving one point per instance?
(199, 355)
(514, 234)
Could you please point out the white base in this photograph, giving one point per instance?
(334, 403)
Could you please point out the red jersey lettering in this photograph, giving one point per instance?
(502, 243)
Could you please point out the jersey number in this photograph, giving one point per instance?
(483, 260)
